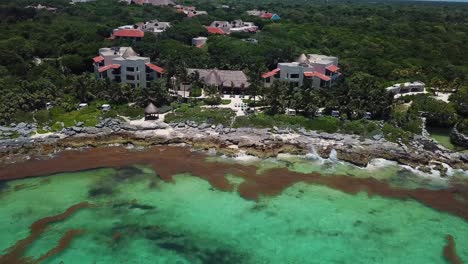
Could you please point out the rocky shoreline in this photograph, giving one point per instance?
(421, 153)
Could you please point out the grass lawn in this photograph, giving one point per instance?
(442, 135)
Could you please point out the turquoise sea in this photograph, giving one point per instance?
(136, 217)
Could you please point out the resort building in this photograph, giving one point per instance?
(408, 87)
(227, 82)
(226, 27)
(124, 65)
(318, 71)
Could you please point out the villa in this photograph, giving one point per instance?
(318, 71)
(154, 26)
(227, 82)
(226, 27)
(124, 65)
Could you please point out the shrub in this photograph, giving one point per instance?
(42, 117)
(463, 127)
(201, 115)
(22, 116)
(195, 92)
(392, 133)
(213, 100)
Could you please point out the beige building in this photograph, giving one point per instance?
(124, 65)
(319, 71)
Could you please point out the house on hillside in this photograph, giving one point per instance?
(318, 71)
(226, 27)
(124, 65)
(227, 82)
(154, 26)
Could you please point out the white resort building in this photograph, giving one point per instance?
(408, 87)
(319, 71)
(124, 65)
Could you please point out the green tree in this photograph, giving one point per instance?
(275, 97)
(157, 92)
(73, 64)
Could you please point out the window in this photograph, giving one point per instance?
(130, 77)
(268, 80)
(294, 76)
(130, 69)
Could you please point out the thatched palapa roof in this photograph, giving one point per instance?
(151, 109)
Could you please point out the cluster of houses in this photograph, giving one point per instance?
(137, 32)
(264, 14)
(226, 27)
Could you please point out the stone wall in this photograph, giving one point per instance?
(458, 138)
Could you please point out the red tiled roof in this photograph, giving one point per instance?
(309, 74)
(317, 74)
(98, 59)
(132, 33)
(108, 67)
(267, 15)
(271, 73)
(332, 68)
(215, 30)
(155, 68)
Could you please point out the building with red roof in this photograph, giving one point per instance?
(215, 31)
(124, 65)
(314, 70)
(127, 34)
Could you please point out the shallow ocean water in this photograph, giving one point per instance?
(138, 218)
